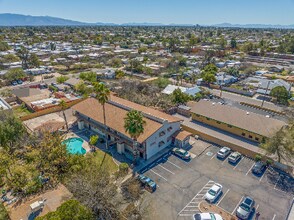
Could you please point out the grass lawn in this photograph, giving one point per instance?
(108, 162)
(21, 111)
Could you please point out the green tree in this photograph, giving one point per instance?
(69, 210)
(15, 74)
(88, 76)
(134, 125)
(34, 61)
(119, 74)
(222, 42)
(10, 58)
(11, 131)
(3, 212)
(4, 46)
(282, 144)
(233, 43)
(63, 106)
(23, 54)
(93, 140)
(208, 73)
(281, 94)
(82, 88)
(178, 97)
(233, 71)
(61, 79)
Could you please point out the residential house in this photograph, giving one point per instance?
(266, 85)
(189, 91)
(223, 78)
(276, 69)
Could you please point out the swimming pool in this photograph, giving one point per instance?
(74, 145)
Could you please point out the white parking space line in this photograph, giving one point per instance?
(158, 175)
(238, 163)
(212, 157)
(166, 169)
(262, 176)
(274, 217)
(237, 206)
(193, 204)
(225, 160)
(223, 197)
(257, 207)
(250, 169)
(175, 165)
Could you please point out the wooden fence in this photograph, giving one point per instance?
(49, 110)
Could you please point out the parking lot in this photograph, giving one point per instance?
(183, 184)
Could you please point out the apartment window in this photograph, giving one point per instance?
(250, 136)
(169, 129)
(161, 143)
(257, 139)
(243, 134)
(161, 133)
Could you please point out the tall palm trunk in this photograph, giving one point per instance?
(106, 135)
(65, 119)
(135, 151)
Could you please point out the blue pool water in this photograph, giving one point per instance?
(74, 145)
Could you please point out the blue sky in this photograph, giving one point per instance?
(159, 11)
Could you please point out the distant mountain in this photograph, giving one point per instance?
(254, 26)
(27, 20)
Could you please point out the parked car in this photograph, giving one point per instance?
(181, 153)
(148, 183)
(207, 216)
(245, 208)
(223, 152)
(14, 83)
(258, 168)
(19, 81)
(234, 157)
(213, 193)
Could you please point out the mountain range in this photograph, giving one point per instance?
(8, 19)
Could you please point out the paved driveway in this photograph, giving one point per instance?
(182, 185)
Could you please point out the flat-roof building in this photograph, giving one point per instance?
(249, 125)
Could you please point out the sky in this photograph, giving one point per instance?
(203, 12)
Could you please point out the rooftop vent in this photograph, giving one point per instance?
(247, 113)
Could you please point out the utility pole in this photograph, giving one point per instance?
(268, 83)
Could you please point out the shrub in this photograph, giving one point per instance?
(124, 167)
(3, 212)
(258, 157)
(269, 162)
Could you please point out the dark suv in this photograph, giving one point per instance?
(258, 168)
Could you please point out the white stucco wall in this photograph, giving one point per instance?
(152, 143)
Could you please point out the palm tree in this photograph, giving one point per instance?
(63, 107)
(134, 126)
(102, 95)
